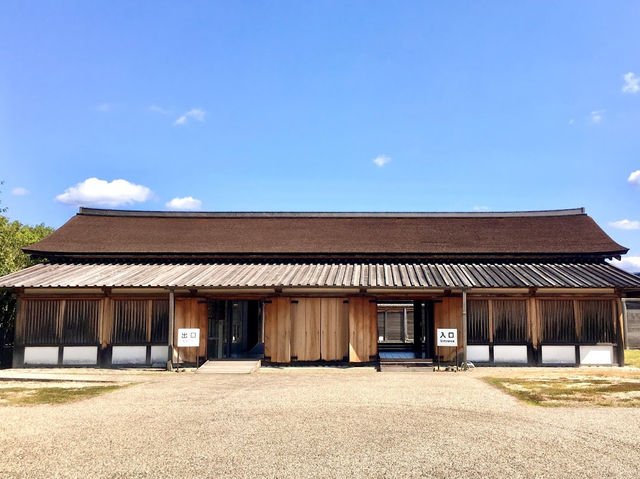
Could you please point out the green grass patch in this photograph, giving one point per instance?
(572, 391)
(632, 357)
(24, 396)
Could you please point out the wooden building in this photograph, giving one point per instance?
(519, 287)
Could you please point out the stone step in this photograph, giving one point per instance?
(229, 367)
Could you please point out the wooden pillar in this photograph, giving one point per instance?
(18, 338)
(172, 310)
(464, 326)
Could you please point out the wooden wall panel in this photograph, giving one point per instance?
(190, 313)
(363, 325)
(305, 329)
(277, 330)
(448, 314)
(335, 332)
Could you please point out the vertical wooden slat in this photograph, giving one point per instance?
(578, 318)
(315, 338)
(327, 329)
(149, 310)
(278, 330)
(372, 318)
(534, 322)
(362, 329)
(298, 326)
(60, 321)
(490, 321)
(354, 318)
(284, 330)
(270, 308)
(620, 339)
(19, 327)
(342, 350)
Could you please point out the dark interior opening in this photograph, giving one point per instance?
(405, 329)
(235, 329)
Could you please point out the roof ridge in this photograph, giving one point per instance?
(328, 214)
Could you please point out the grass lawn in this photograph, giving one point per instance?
(20, 396)
(574, 390)
(632, 357)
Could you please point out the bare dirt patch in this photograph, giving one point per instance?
(32, 393)
(578, 389)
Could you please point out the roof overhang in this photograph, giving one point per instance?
(395, 276)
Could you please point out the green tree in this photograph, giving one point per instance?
(13, 237)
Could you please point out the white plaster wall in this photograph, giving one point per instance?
(80, 355)
(46, 355)
(510, 354)
(558, 354)
(478, 353)
(129, 355)
(159, 354)
(596, 355)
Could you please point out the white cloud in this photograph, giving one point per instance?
(94, 191)
(104, 107)
(185, 203)
(572, 121)
(628, 263)
(626, 224)
(634, 178)
(596, 116)
(381, 160)
(19, 191)
(480, 208)
(195, 113)
(159, 109)
(631, 83)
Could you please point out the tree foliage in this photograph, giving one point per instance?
(13, 237)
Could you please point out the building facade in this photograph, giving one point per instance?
(117, 288)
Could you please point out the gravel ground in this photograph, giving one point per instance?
(316, 423)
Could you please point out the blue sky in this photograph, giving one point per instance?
(285, 106)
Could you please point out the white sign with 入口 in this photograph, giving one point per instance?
(188, 338)
(447, 337)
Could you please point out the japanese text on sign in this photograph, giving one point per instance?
(188, 338)
(447, 337)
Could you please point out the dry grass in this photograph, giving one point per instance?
(632, 357)
(577, 390)
(24, 396)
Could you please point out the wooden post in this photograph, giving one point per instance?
(18, 339)
(464, 327)
(172, 306)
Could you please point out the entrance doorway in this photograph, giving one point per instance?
(235, 329)
(406, 329)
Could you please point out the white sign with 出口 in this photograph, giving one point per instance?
(188, 338)
(447, 337)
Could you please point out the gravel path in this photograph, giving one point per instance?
(316, 423)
